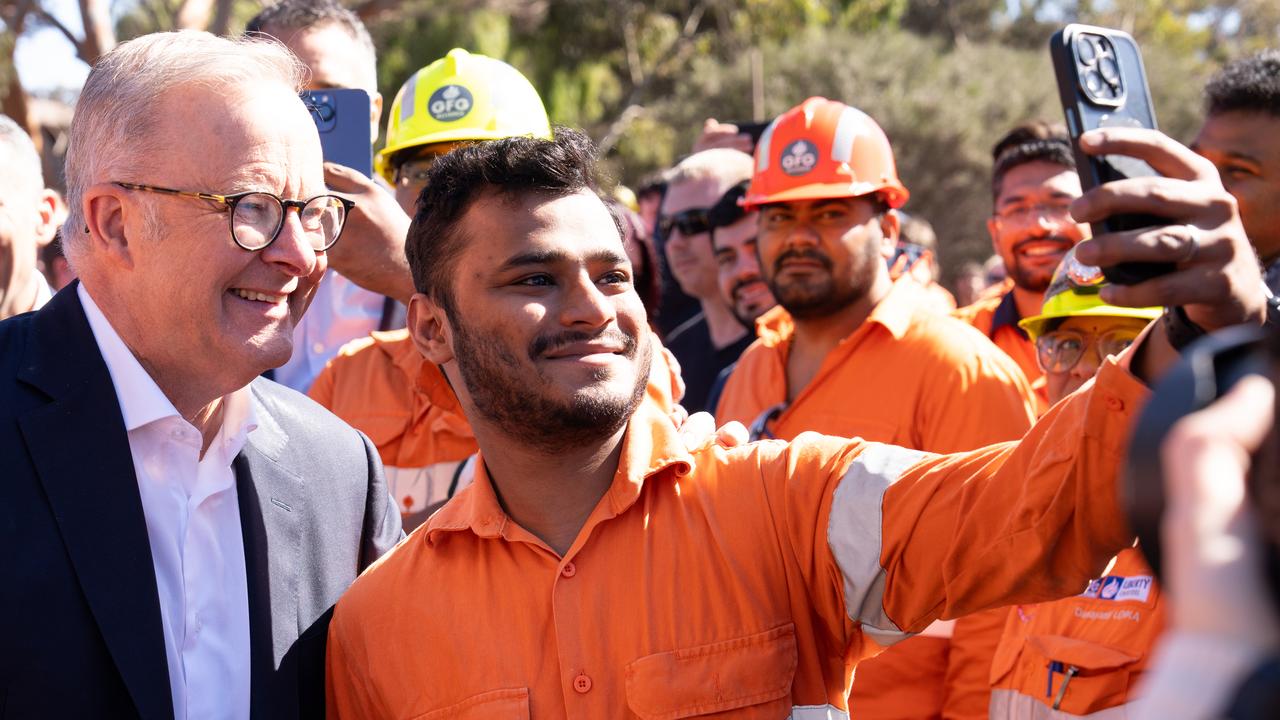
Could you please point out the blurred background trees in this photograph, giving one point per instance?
(944, 77)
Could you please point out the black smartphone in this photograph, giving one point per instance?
(1102, 83)
(753, 129)
(342, 118)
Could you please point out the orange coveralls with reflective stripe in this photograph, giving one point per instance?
(996, 316)
(382, 386)
(749, 580)
(910, 377)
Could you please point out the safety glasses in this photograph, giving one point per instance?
(1061, 350)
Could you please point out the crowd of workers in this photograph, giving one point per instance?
(521, 377)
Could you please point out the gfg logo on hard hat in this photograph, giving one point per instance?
(799, 157)
(449, 103)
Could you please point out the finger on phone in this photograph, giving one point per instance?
(1169, 157)
(1175, 200)
(1196, 285)
(1168, 243)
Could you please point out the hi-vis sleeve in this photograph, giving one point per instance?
(916, 537)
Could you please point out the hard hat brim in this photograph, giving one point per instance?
(1035, 325)
(894, 195)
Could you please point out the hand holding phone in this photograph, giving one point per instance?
(1101, 83)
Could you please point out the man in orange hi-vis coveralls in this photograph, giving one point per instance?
(596, 568)
(850, 352)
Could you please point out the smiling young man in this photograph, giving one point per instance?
(598, 569)
(1033, 184)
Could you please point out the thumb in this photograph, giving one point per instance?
(345, 179)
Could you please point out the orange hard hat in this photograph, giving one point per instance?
(823, 149)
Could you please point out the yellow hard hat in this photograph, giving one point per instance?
(1074, 293)
(462, 97)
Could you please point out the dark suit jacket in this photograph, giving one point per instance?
(80, 632)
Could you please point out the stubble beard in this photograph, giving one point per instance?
(523, 410)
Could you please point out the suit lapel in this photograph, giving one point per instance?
(270, 500)
(81, 452)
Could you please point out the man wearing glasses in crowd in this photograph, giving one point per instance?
(1033, 183)
(181, 525)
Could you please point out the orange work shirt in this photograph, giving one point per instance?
(382, 386)
(1082, 654)
(995, 315)
(749, 580)
(907, 376)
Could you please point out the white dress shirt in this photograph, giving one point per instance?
(340, 312)
(193, 524)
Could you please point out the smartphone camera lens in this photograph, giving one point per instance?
(1110, 70)
(1086, 50)
(1093, 82)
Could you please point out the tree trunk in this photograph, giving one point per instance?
(99, 33)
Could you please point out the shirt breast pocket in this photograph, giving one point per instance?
(507, 704)
(751, 675)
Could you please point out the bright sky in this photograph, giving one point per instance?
(46, 60)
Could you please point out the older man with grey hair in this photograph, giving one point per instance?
(27, 210)
(713, 338)
(179, 527)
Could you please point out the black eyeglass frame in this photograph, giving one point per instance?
(229, 203)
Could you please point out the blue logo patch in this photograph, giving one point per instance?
(450, 103)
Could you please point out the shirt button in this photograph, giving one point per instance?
(317, 348)
(1115, 403)
(569, 570)
(582, 684)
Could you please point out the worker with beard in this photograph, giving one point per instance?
(1033, 184)
(850, 352)
(597, 568)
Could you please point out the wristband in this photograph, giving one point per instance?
(1179, 328)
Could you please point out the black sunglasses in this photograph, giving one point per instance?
(693, 221)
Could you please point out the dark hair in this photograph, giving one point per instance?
(511, 167)
(303, 14)
(726, 211)
(1251, 84)
(1032, 141)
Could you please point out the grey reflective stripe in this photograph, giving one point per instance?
(817, 712)
(854, 535)
(406, 100)
(1009, 704)
(762, 147)
(846, 133)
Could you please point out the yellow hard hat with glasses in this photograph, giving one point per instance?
(1074, 293)
(461, 97)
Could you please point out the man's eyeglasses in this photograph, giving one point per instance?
(256, 217)
(689, 222)
(413, 173)
(1059, 211)
(1061, 350)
